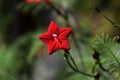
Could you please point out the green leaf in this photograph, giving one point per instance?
(109, 51)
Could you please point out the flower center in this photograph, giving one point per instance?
(55, 37)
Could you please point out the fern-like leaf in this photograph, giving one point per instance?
(109, 51)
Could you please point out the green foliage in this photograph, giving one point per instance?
(109, 50)
(14, 58)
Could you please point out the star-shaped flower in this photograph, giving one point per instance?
(56, 38)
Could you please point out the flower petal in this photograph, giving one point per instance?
(65, 44)
(46, 38)
(64, 32)
(52, 47)
(53, 28)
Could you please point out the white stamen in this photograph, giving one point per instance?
(54, 35)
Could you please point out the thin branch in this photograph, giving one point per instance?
(100, 12)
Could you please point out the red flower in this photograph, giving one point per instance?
(56, 38)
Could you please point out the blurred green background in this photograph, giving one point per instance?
(24, 57)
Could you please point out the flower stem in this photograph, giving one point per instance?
(96, 56)
(67, 56)
(67, 52)
(93, 68)
(75, 42)
(86, 74)
(101, 66)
